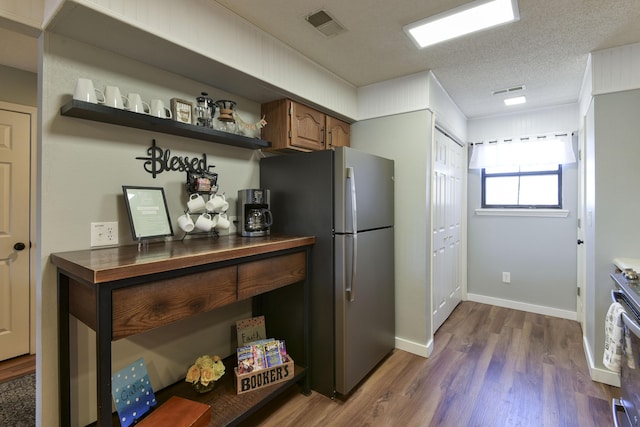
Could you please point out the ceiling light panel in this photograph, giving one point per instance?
(515, 101)
(471, 17)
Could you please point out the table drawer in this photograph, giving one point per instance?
(140, 308)
(262, 276)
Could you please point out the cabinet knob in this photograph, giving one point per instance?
(19, 246)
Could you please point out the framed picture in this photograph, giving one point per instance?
(148, 212)
(182, 110)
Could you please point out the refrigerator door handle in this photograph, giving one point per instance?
(354, 223)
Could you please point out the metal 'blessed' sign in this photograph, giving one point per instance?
(160, 160)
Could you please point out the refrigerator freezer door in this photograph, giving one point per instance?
(372, 177)
(365, 327)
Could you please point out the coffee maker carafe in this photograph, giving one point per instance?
(204, 110)
(254, 216)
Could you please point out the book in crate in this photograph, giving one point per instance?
(261, 361)
(260, 378)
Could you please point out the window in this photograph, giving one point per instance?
(523, 173)
(522, 187)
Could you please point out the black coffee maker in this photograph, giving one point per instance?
(254, 216)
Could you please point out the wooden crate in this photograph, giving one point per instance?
(263, 378)
(178, 412)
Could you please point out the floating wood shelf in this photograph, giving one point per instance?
(101, 113)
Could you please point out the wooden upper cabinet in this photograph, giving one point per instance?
(294, 126)
(338, 133)
(307, 127)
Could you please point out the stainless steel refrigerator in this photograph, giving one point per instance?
(345, 198)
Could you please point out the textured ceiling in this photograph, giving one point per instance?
(546, 50)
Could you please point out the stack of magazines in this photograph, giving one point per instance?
(261, 354)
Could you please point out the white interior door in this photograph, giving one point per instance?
(446, 220)
(582, 209)
(15, 148)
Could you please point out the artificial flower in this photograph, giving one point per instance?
(205, 370)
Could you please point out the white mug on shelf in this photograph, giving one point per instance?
(223, 222)
(84, 91)
(204, 222)
(159, 110)
(186, 223)
(217, 203)
(196, 203)
(137, 105)
(113, 98)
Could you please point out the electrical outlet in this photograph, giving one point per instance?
(506, 277)
(104, 233)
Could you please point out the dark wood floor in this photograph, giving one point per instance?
(490, 367)
(17, 367)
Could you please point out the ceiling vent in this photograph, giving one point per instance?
(324, 23)
(509, 90)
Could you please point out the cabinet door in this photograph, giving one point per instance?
(307, 127)
(338, 133)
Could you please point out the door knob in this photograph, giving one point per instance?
(580, 241)
(19, 246)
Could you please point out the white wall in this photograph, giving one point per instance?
(540, 253)
(23, 16)
(208, 30)
(616, 69)
(412, 93)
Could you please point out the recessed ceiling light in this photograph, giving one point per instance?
(474, 16)
(515, 101)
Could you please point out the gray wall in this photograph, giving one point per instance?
(84, 165)
(406, 138)
(613, 201)
(18, 86)
(540, 253)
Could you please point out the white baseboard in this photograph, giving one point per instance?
(531, 308)
(414, 347)
(598, 374)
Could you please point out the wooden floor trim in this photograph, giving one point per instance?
(17, 367)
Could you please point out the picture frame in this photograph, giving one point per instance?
(148, 212)
(182, 110)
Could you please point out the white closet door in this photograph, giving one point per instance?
(446, 220)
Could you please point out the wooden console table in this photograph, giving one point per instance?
(119, 292)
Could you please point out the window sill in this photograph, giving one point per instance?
(546, 213)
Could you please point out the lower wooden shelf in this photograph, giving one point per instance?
(227, 407)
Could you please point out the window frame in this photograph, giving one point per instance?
(519, 174)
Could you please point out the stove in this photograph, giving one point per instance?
(626, 409)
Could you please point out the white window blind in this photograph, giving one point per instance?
(525, 151)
